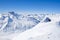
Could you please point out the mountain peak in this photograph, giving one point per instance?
(13, 13)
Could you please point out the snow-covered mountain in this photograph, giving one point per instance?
(15, 26)
(13, 22)
(49, 29)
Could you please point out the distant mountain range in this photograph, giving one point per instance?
(13, 22)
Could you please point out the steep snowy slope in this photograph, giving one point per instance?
(43, 31)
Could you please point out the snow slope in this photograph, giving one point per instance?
(43, 31)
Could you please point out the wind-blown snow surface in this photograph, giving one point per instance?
(29, 26)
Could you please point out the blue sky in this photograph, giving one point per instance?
(30, 5)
